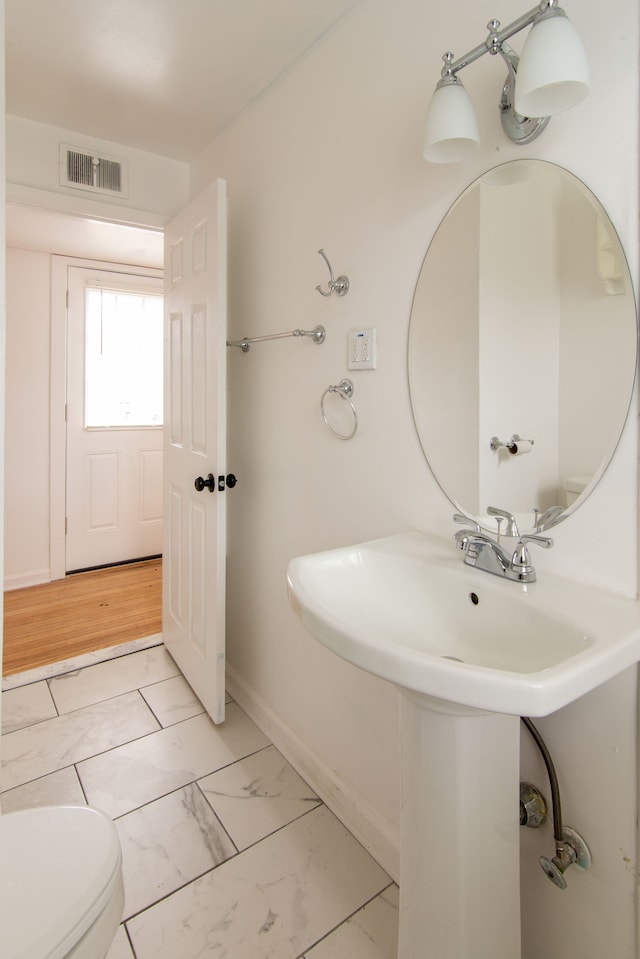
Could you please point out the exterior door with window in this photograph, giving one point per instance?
(194, 554)
(114, 417)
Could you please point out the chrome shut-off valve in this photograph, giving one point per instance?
(573, 850)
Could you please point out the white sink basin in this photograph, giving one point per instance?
(406, 608)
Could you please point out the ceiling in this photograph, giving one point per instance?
(166, 76)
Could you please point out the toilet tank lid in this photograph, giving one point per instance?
(59, 866)
(577, 483)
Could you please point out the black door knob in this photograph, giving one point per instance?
(210, 483)
(231, 480)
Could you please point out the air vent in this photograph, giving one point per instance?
(84, 170)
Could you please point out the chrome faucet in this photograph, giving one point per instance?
(485, 553)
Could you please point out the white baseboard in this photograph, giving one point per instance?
(33, 577)
(353, 810)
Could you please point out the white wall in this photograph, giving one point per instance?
(2, 316)
(594, 319)
(27, 427)
(157, 185)
(516, 316)
(332, 158)
(444, 322)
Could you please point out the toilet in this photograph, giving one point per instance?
(61, 888)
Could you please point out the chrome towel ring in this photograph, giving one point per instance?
(345, 390)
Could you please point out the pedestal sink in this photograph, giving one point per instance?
(470, 654)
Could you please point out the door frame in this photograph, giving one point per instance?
(58, 398)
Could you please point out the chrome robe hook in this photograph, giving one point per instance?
(339, 286)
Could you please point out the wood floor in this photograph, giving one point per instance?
(81, 613)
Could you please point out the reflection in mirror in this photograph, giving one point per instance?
(522, 345)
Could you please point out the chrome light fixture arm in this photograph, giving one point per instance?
(496, 38)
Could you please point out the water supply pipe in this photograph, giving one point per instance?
(570, 846)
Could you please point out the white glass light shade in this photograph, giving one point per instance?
(451, 129)
(553, 74)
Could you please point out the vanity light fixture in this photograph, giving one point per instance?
(551, 75)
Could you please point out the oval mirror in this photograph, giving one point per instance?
(522, 345)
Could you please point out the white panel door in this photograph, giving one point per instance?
(114, 468)
(193, 603)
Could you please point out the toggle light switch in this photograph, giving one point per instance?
(362, 352)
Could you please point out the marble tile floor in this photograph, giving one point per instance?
(227, 853)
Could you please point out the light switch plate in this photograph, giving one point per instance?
(362, 349)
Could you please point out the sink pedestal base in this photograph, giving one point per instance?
(459, 851)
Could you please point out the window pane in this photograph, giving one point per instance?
(123, 359)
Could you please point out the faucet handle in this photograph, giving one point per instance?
(461, 518)
(520, 559)
(545, 541)
(511, 528)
